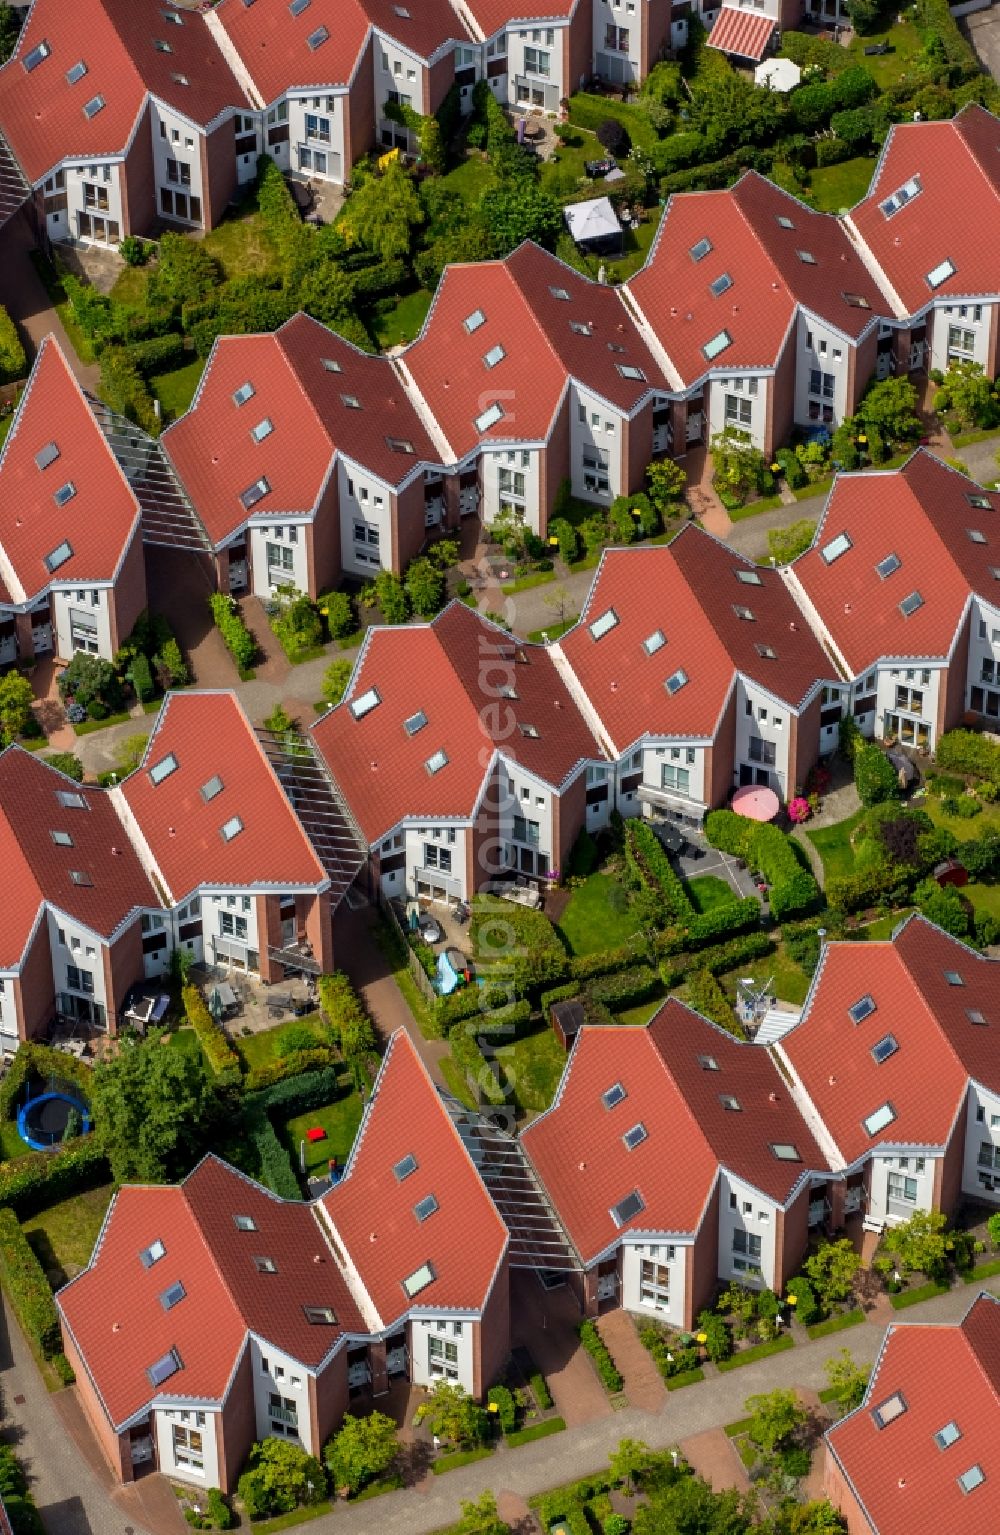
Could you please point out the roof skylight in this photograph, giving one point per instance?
(888, 1411)
(676, 681)
(424, 1208)
(888, 566)
(35, 56)
(263, 429)
(910, 604)
(231, 828)
(603, 625)
(560, 293)
(971, 1479)
(628, 1208)
(93, 106)
(60, 554)
(900, 197)
(404, 1167)
(65, 493)
(729, 1102)
(164, 1367)
(255, 492)
(861, 1009)
(163, 769)
(654, 642)
(419, 1280)
(243, 393)
(806, 257)
(80, 877)
(948, 1435)
(880, 1119)
(613, 1095)
(474, 320)
(436, 761)
(172, 1295)
(883, 1048)
(835, 548)
(318, 38)
(209, 790)
(494, 355)
(635, 1136)
(721, 285)
(700, 249)
(941, 273)
(319, 1316)
(152, 1254)
(76, 72)
(718, 344)
(47, 455)
(415, 722)
(365, 703)
(785, 1151)
(489, 417)
(628, 370)
(748, 577)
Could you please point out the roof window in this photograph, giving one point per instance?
(560, 293)
(888, 1411)
(163, 769)
(80, 877)
(941, 273)
(603, 625)
(974, 1015)
(747, 614)
(489, 417)
(180, 79)
(883, 1048)
(971, 1479)
(785, 1151)
(900, 197)
(415, 722)
(61, 838)
(161, 46)
(152, 1254)
(47, 455)
(628, 370)
(320, 1316)
(721, 285)
(785, 223)
(436, 762)
(976, 535)
(718, 344)
(263, 429)
(729, 1102)
(910, 604)
(64, 493)
(708, 1063)
(244, 1223)
(404, 1167)
(419, 1280)
(494, 355)
(351, 401)
(298, 6)
(531, 731)
(255, 492)
(766, 652)
(627, 1209)
(474, 320)
(164, 1367)
(700, 249)
(402, 11)
(36, 55)
(880, 1119)
(424, 1208)
(231, 828)
(365, 703)
(748, 577)
(331, 365)
(948, 1435)
(209, 790)
(93, 106)
(613, 1095)
(76, 72)
(676, 681)
(654, 642)
(581, 327)
(861, 1009)
(856, 301)
(317, 39)
(243, 393)
(983, 503)
(172, 1295)
(888, 566)
(835, 548)
(173, 17)
(70, 800)
(264, 1265)
(953, 978)
(806, 257)
(399, 445)
(635, 1136)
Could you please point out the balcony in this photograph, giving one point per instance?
(286, 1415)
(296, 956)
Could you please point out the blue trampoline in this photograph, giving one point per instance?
(42, 1121)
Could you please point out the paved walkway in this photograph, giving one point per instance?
(23, 295)
(358, 953)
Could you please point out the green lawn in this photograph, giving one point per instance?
(5, 425)
(259, 1049)
(63, 1236)
(186, 1040)
(340, 1120)
(555, 631)
(130, 286)
(905, 42)
(637, 245)
(175, 390)
(833, 844)
(561, 175)
(841, 186)
(707, 891)
(597, 916)
(965, 830)
(241, 245)
(643, 1011)
(403, 321)
(882, 929)
(534, 1065)
(984, 897)
(470, 178)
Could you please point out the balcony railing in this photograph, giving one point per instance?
(286, 1415)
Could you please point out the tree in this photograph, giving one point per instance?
(847, 1380)
(818, 1518)
(613, 136)
(391, 598)
(361, 1450)
(445, 553)
(621, 523)
(519, 210)
(890, 406)
(922, 1243)
(740, 468)
(13, 361)
(338, 610)
(968, 394)
(864, 14)
(775, 1418)
(66, 762)
(874, 775)
(326, 292)
(335, 680)
(629, 1462)
(431, 141)
(382, 212)
(688, 1506)
(993, 1227)
(569, 541)
(89, 679)
(10, 29)
(16, 698)
(666, 481)
(942, 906)
(151, 1107)
(453, 1415)
(832, 1268)
(279, 722)
(424, 586)
(481, 1517)
(786, 544)
(280, 1476)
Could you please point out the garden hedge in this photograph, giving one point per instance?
(856, 892)
(475, 1068)
(219, 1053)
(239, 641)
(726, 956)
(564, 993)
(13, 362)
(299, 1094)
(345, 1013)
(583, 967)
(735, 916)
(964, 751)
(707, 997)
(41, 1178)
(274, 1166)
(521, 943)
(43, 1062)
(649, 866)
(27, 1288)
(598, 1351)
(762, 846)
(291, 1065)
(624, 988)
(586, 111)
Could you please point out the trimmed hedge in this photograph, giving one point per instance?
(27, 1288)
(736, 916)
(564, 993)
(856, 892)
(42, 1178)
(649, 866)
(219, 1053)
(158, 354)
(707, 997)
(536, 1431)
(239, 641)
(597, 1349)
(488, 1002)
(13, 362)
(963, 751)
(764, 847)
(584, 966)
(298, 1095)
(43, 1062)
(473, 1064)
(625, 988)
(586, 111)
(726, 956)
(345, 1013)
(291, 1065)
(275, 1169)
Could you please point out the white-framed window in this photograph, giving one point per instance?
(188, 1446)
(654, 1284)
(442, 1358)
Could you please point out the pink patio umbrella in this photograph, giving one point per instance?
(756, 802)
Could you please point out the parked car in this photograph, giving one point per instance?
(430, 931)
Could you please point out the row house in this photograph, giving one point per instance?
(698, 675)
(121, 116)
(900, 588)
(896, 1071)
(72, 577)
(632, 1106)
(462, 755)
(762, 313)
(249, 1316)
(921, 1451)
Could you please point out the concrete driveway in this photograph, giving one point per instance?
(983, 31)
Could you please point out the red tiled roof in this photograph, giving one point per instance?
(272, 43)
(577, 1147)
(923, 517)
(99, 521)
(541, 350)
(439, 668)
(939, 1047)
(209, 735)
(463, 1240)
(37, 869)
(687, 590)
(425, 27)
(906, 1483)
(491, 15)
(745, 33)
(769, 278)
(42, 114)
(956, 163)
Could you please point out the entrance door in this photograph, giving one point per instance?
(142, 1451)
(762, 777)
(746, 775)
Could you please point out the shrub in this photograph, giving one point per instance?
(583, 966)
(584, 856)
(27, 1288)
(142, 678)
(65, 762)
(238, 640)
(338, 609)
(170, 669)
(807, 1307)
(298, 626)
(125, 390)
(279, 1478)
(542, 1395)
(506, 1407)
(219, 1053)
(765, 847)
(596, 1348)
(13, 362)
(964, 751)
(718, 1338)
(219, 1513)
(346, 1015)
(518, 943)
(649, 867)
(874, 775)
(624, 988)
(707, 997)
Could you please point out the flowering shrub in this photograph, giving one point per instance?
(799, 810)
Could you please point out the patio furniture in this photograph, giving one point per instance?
(278, 1003)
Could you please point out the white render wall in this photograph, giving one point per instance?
(983, 646)
(755, 1214)
(183, 144)
(286, 1377)
(363, 498)
(190, 1418)
(907, 1165)
(520, 38)
(675, 754)
(72, 598)
(416, 840)
(396, 70)
(81, 948)
(77, 176)
(976, 1133)
(901, 674)
(633, 1254)
(946, 313)
(518, 460)
(594, 424)
(770, 721)
(738, 387)
(281, 534)
(422, 1329)
(332, 107)
(819, 346)
(625, 14)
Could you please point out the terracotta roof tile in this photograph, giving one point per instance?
(906, 1481)
(422, 28)
(372, 1208)
(273, 44)
(209, 735)
(941, 166)
(492, 15)
(99, 515)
